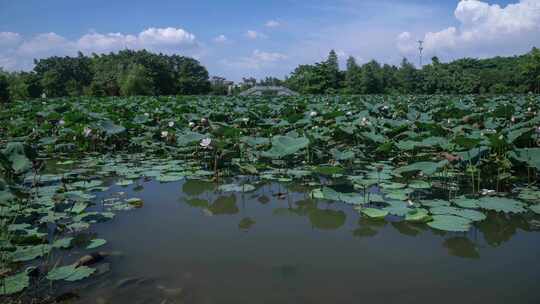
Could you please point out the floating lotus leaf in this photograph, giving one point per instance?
(28, 253)
(434, 203)
(428, 168)
(450, 223)
(417, 215)
(285, 145)
(464, 202)
(501, 204)
(374, 213)
(95, 243)
(70, 273)
(465, 213)
(15, 283)
(63, 243)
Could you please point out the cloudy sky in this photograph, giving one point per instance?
(238, 39)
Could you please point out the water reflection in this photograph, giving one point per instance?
(278, 245)
(460, 246)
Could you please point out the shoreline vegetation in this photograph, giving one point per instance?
(130, 73)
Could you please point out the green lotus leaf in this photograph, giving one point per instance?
(374, 213)
(15, 283)
(70, 273)
(501, 204)
(95, 243)
(450, 223)
(417, 215)
(285, 145)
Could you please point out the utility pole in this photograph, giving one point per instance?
(420, 49)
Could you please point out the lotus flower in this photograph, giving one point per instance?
(61, 122)
(538, 130)
(164, 134)
(513, 119)
(205, 142)
(349, 113)
(410, 203)
(87, 131)
(147, 114)
(529, 109)
(171, 124)
(245, 119)
(487, 192)
(313, 114)
(191, 124)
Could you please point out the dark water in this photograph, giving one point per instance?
(262, 248)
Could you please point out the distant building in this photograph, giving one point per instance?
(269, 90)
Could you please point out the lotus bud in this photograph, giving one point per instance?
(87, 131)
(205, 143)
(164, 134)
(171, 124)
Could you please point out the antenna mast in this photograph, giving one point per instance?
(420, 49)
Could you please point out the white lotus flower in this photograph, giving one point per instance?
(487, 192)
(513, 119)
(204, 120)
(171, 124)
(538, 130)
(87, 131)
(385, 108)
(410, 203)
(191, 124)
(449, 121)
(349, 113)
(61, 122)
(147, 114)
(313, 114)
(529, 109)
(205, 142)
(501, 137)
(43, 95)
(245, 119)
(164, 134)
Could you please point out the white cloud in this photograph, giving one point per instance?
(254, 34)
(221, 39)
(484, 30)
(9, 39)
(257, 60)
(18, 53)
(272, 23)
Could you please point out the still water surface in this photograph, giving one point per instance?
(192, 244)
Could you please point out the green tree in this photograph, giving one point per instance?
(531, 70)
(136, 81)
(353, 77)
(4, 88)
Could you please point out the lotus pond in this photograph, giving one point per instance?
(270, 200)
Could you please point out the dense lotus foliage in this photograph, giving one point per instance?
(440, 161)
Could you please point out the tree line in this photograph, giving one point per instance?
(498, 75)
(124, 73)
(130, 72)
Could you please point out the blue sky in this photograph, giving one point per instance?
(258, 38)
